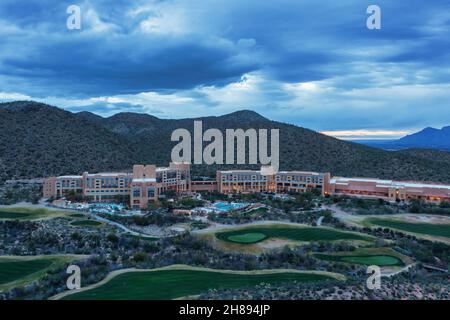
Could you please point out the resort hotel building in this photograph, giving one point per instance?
(246, 181)
(147, 183)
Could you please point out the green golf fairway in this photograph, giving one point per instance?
(18, 271)
(251, 235)
(379, 260)
(373, 260)
(438, 230)
(171, 284)
(15, 270)
(29, 213)
(14, 215)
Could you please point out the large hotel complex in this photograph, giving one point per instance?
(146, 183)
(143, 185)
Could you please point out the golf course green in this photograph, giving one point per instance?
(381, 256)
(254, 234)
(250, 237)
(172, 284)
(437, 230)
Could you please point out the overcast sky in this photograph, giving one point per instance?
(310, 63)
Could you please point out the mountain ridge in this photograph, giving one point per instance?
(429, 138)
(41, 140)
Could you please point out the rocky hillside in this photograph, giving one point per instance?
(40, 140)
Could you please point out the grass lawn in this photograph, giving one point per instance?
(12, 271)
(437, 230)
(379, 260)
(254, 234)
(367, 256)
(374, 260)
(14, 215)
(86, 223)
(17, 271)
(29, 214)
(172, 284)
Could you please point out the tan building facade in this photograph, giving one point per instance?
(389, 190)
(144, 185)
(204, 186)
(253, 181)
(106, 187)
(59, 186)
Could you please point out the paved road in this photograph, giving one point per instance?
(121, 226)
(319, 221)
(404, 269)
(217, 226)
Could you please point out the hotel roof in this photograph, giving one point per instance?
(108, 174)
(70, 177)
(343, 180)
(144, 180)
(421, 185)
(102, 174)
(301, 172)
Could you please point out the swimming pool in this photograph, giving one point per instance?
(228, 206)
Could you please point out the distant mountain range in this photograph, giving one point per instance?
(38, 140)
(428, 138)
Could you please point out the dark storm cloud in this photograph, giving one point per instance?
(49, 59)
(199, 52)
(292, 41)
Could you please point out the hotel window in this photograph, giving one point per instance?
(151, 192)
(172, 175)
(136, 192)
